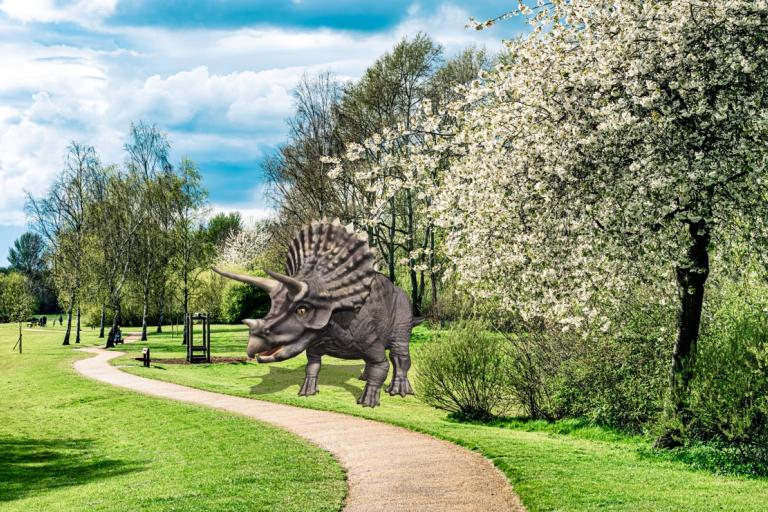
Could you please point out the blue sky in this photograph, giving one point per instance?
(216, 76)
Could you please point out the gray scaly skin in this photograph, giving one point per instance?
(334, 302)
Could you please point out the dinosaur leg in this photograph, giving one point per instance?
(310, 381)
(377, 373)
(401, 361)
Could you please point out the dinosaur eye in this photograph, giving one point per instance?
(301, 310)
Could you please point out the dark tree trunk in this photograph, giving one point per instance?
(69, 317)
(77, 328)
(144, 314)
(410, 245)
(391, 243)
(186, 307)
(103, 320)
(690, 279)
(115, 327)
(160, 312)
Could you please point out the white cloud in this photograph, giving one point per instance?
(221, 94)
(82, 11)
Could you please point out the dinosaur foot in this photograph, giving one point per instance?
(370, 396)
(400, 386)
(309, 387)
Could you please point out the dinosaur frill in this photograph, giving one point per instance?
(335, 262)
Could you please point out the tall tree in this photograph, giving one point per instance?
(223, 226)
(147, 157)
(118, 217)
(300, 186)
(27, 255)
(192, 250)
(61, 218)
(617, 144)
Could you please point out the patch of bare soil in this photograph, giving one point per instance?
(214, 360)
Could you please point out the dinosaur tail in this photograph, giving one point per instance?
(416, 320)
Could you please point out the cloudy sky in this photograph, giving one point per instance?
(216, 76)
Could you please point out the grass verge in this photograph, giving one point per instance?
(552, 467)
(69, 443)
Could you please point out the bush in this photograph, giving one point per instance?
(536, 358)
(465, 371)
(612, 379)
(618, 381)
(241, 301)
(729, 399)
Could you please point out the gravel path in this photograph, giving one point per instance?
(388, 468)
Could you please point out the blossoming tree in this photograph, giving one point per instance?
(618, 143)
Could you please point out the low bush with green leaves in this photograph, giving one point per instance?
(465, 370)
(243, 301)
(729, 399)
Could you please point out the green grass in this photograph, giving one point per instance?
(553, 467)
(70, 443)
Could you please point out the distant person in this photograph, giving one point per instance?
(61, 320)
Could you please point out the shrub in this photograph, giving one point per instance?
(241, 301)
(536, 359)
(729, 399)
(465, 371)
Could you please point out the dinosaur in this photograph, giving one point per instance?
(333, 301)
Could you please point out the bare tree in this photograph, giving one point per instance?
(61, 217)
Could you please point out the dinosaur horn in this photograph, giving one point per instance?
(295, 287)
(268, 285)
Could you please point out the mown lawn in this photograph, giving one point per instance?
(585, 470)
(69, 443)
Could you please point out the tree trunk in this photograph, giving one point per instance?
(411, 245)
(690, 279)
(20, 339)
(77, 328)
(186, 307)
(103, 320)
(115, 326)
(144, 313)
(391, 242)
(69, 317)
(160, 312)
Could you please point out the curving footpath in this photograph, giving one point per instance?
(388, 468)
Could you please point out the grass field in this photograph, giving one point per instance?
(587, 469)
(68, 443)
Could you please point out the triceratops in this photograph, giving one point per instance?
(334, 302)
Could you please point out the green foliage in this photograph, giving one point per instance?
(17, 302)
(221, 226)
(465, 371)
(26, 255)
(729, 400)
(618, 382)
(241, 301)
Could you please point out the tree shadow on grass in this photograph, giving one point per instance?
(339, 375)
(32, 466)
